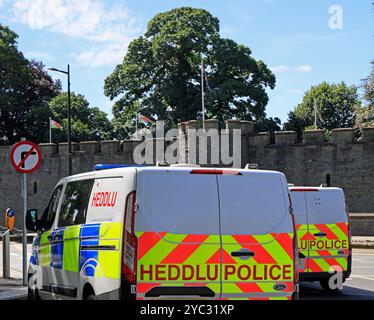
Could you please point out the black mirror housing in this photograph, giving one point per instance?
(32, 222)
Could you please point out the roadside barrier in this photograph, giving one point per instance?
(6, 254)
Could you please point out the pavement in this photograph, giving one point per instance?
(363, 242)
(12, 289)
(360, 286)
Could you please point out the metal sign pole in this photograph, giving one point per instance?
(25, 158)
(24, 230)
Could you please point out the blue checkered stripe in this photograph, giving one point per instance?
(34, 259)
(88, 259)
(57, 248)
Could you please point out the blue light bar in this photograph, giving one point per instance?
(101, 167)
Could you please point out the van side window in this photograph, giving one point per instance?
(50, 212)
(74, 206)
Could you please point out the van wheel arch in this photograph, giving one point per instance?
(88, 292)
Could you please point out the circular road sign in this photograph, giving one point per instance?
(25, 157)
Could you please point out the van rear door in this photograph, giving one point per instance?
(298, 199)
(328, 225)
(177, 229)
(257, 234)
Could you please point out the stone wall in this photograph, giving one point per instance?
(348, 163)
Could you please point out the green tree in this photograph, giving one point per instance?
(368, 86)
(87, 123)
(335, 104)
(25, 87)
(365, 114)
(271, 125)
(160, 74)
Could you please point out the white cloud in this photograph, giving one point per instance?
(102, 56)
(280, 68)
(38, 55)
(304, 68)
(109, 27)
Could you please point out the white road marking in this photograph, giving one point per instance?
(366, 278)
(359, 260)
(368, 267)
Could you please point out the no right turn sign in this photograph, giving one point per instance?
(25, 157)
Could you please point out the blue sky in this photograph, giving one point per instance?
(293, 37)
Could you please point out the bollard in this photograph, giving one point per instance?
(6, 255)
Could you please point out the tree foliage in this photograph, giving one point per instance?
(87, 123)
(368, 87)
(271, 125)
(160, 74)
(29, 97)
(25, 88)
(365, 114)
(335, 105)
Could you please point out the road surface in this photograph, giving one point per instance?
(359, 287)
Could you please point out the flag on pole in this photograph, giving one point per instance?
(144, 119)
(206, 78)
(55, 125)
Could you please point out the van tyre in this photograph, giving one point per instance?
(30, 295)
(91, 297)
(326, 287)
(33, 295)
(295, 296)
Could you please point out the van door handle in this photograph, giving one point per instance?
(244, 253)
(203, 292)
(320, 235)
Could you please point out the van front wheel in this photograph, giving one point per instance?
(91, 297)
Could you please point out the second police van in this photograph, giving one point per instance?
(166, 233)
(323, 233)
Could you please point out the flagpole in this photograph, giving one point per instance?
(203, 91)
(50, 131)
(137, 125)
(315, 115)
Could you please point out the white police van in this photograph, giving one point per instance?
(165, 233)
(323, 229)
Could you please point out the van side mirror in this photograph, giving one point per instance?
(32, 222)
